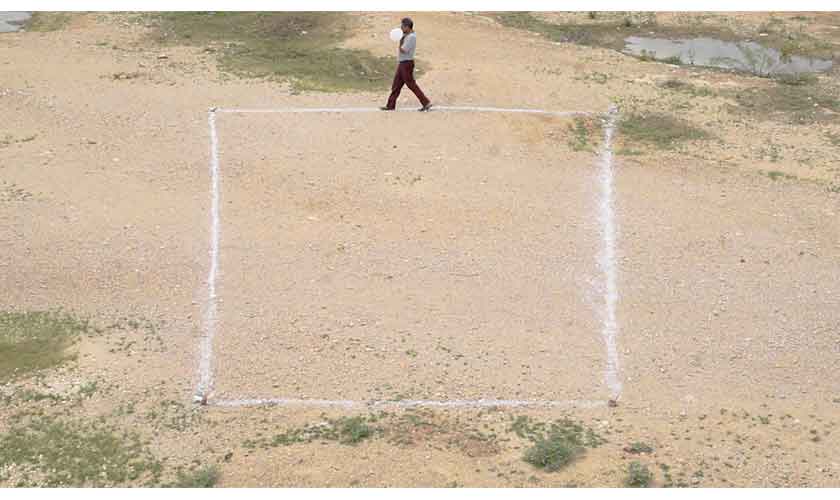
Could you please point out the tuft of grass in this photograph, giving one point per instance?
(659, 129)
(299, 47)
(345, 430)
(638, 447)
(88, 389)
(35, 340)
(353, 430)
(638, 475)
(579, 132)
(54, 453)
(48, 21)
(672, 60)
(797, 79)
(776, 175)
(685, 87)
(552, 453)
(203, 477)
(556, 444)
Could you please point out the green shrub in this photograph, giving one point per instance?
(638, 475)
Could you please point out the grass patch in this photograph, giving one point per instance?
(609, 33)
(345, 430)
(36, 340)
(49, 452)
(638, 447)
(658, 129)
(609, 29)
(776, 175)
(638, 475)
(797, 79)
(792, 103)
(203, 477)
(552, 453)
(686, 88)
(555, 444)
(580, 131)
(299, 47)
(48, 21)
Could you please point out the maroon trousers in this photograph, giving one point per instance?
(405, 76)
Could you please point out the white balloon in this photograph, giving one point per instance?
(396, 34)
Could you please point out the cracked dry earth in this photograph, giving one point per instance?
(407, 256)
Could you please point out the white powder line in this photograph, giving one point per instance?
(412, 403)
(486, 109)
(606, 257)
(205, 369)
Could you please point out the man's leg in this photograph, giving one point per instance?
(396, 87)
(412, 84)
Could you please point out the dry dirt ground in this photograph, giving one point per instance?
(435, 256)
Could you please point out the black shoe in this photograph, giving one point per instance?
(427, 107)
(386, 108)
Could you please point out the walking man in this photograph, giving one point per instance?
(405, 69)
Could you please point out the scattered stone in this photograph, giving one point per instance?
(612, 403)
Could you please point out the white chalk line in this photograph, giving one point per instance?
(606, 261)
(205, 370)
(485, 109)
(409, 403)
(606, 257)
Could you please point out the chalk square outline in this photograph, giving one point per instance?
(606, 261)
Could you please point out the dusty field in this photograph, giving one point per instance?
(435, 256)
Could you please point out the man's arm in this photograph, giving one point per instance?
(409, 44)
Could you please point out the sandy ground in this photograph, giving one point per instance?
(447, 268)
(459, 273)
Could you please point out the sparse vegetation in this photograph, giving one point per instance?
(556, 444)
(579, 133)
(658, 129)
(607, 31)
(776, 175)
(204, 477)
(48, 21)
(345, 430)
(638, 475)
(610, 29)
(638, 447)
(685, 87)
(49, 452)
(553, 452)
(797, 79)
(299, 47)
(799, 104)
(36, 340)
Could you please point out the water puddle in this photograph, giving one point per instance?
(13, 21)
(741, 56)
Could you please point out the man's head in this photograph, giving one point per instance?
(407, 25)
